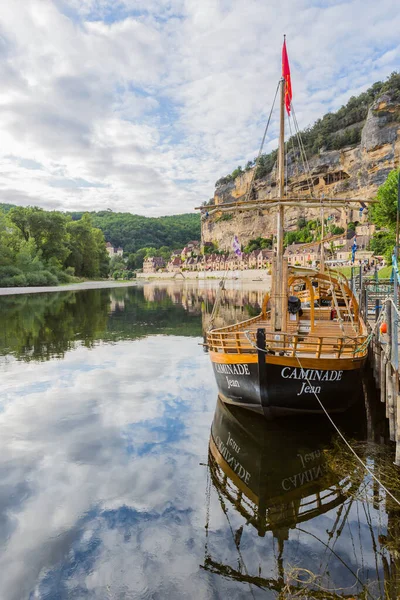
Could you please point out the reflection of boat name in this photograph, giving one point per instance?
(302, 478)
(305, 458)
(232, 461)
(232, 443)
(311, 374)
(232, 369)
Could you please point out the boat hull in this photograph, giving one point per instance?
(280, 386)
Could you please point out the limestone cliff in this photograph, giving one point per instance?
(354, 171)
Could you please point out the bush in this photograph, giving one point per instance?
(63, 277)
(9, 271)
(50, 278)
(14, 281)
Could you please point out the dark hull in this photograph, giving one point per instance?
(282, 387)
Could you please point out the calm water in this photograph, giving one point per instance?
(108, 490)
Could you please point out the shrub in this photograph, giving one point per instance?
(9, 271)
(36, 278)
(50, 278)
(63, 277)
(15, 281)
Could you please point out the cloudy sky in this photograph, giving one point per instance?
(141, 105)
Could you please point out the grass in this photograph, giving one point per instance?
(383, 273)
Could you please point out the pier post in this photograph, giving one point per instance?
(376, 309)
(383, 377)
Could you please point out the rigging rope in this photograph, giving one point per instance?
(247, 334)
(261, 147)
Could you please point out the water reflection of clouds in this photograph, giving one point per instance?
(102, 494)
(99, 442)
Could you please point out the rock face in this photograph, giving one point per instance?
(353, 172)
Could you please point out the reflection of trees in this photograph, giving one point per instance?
(41, 326)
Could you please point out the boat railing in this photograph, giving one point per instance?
(239, 341)
(311, 503)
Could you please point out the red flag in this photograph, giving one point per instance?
(286, 77)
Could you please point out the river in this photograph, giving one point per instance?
(114, 487)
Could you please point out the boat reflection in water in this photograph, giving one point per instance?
(295, 520)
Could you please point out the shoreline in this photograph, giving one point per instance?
(250, 275)
(260, 278)
(69, 287)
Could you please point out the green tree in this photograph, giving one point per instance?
(87, 248)
(384, 212)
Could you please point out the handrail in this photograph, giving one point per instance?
(289, 343)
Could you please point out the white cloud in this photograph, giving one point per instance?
(151, 102)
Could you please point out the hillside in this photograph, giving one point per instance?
(133, 232)
(350, 154)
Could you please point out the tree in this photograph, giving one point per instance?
(87, 248)
(384, 212)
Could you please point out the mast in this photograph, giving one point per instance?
(322, 263)
(279, 221)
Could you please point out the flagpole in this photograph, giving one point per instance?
(279, 283)
(396, 250)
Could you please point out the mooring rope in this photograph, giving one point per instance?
(344, 439)
(332, 422)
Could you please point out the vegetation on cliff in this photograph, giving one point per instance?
(332, 132)
(39, 247)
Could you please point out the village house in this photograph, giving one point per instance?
(114, 251)
(253, 264)
(174, 265)
(362, 241)
(152, 264)
(264, 259)
(302, 254)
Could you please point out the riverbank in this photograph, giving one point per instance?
(250, 275)
(70, 287)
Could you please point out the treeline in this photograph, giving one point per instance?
(333, 132)
(39, 247)
(134, 232)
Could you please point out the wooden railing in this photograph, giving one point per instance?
(232, 340)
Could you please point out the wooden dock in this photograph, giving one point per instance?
(381, 312)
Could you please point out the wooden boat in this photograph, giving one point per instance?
(307, 347)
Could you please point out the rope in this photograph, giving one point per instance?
(217, 302)
(332, 422)
(344, 439)
(262, 146)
